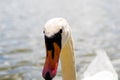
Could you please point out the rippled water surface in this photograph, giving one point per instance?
(95, 24)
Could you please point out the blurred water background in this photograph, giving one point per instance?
(95, 24)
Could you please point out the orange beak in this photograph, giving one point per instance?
(52, 58)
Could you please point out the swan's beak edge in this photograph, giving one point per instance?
(51, 63)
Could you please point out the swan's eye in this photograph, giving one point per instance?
(43, 31)
(60, 31)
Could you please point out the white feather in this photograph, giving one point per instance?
(100, 68)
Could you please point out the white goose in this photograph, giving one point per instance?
(59, 43)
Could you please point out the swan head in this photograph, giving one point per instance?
(56, 32)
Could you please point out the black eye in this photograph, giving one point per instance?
(60, 31)
(43, 31)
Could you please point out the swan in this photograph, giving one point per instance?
(100, 68)
(59, 44)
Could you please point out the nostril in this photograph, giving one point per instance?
(47, 76)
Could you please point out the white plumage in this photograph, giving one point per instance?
(100, 68)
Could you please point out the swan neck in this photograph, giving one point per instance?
(68, 61)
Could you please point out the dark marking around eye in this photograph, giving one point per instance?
(60, 31)
(43, 31)
(57, 38)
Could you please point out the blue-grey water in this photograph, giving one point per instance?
(95, 24)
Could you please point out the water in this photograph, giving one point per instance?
(95, 24)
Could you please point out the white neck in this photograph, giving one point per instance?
(68, 61)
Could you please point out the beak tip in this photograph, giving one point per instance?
(48, 75)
